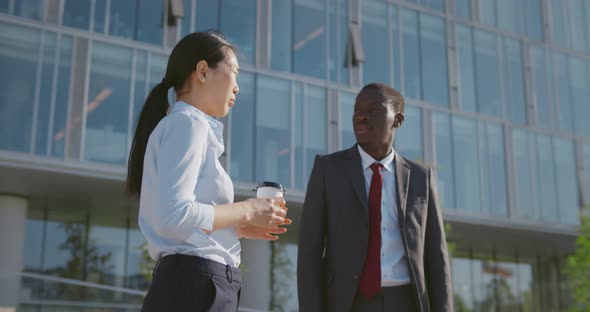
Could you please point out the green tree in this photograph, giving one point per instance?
(578, 267)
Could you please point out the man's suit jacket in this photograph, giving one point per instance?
(334, 234)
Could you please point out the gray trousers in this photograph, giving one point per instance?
(390, 299)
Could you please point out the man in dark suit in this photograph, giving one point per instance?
(371, 234)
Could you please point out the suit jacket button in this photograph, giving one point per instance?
(355, 276)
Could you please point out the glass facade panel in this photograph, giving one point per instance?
(19, 54)
(375, 37)
(547, 180)
(513, 82)
(316, 132)
(463, 8)
(122, 20)
(32, 9)
(494, 168)
(434, 60)
(533, 17)
(62, 98)
(411, 45)
(487, 73)
(580, 86)
(338, 41)
(487, 12)
(150, 21)
(273, 130)
(465, 156)
(48, 61)
(444, 159)
(542, 91)
(64, 251)
(100, 10)
(509, 15)
(309, 38)
(238, 25)
(435, 4)
(466, 70)
(107, 110)
(242, 129)
(207, 15)
(567, 186)
(586, 173)
(77, 13)
(563, 96)
(560, 23)
(408, 138)
(525, 182)
(346, 104)
(579, 25)
(282, 21)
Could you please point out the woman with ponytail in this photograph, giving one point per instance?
(187, 213)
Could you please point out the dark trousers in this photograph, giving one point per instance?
(397, 298)
(189, 283)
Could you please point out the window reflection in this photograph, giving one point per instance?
(108, 104)
(19, 50)
(273, 130)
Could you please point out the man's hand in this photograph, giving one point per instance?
(248, 231)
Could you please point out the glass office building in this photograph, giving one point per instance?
(497, 92)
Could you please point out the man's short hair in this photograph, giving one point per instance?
(392, 95)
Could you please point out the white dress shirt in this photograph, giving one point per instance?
(182, 181)
(394, 267)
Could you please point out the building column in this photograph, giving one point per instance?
(13, 215)
(256, 266)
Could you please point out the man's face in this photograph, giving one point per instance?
(374, 120)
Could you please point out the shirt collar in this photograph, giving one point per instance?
(367, 160)
(216, 125)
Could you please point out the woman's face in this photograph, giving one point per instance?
(221, 85)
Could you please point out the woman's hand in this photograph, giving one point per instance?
(246, 230)
(267, 212)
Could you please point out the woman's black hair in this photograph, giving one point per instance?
(208, 46)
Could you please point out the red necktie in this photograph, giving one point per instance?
(370, 281)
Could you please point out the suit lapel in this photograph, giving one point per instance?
(402, 182)
(357, 177)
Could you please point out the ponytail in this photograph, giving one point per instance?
(154, 110)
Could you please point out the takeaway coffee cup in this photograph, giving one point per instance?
(268, 189)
